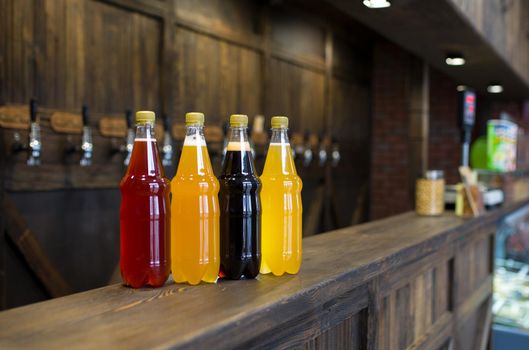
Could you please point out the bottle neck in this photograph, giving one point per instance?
(194, 159)
(195, 135)
(279, 136)
(238, 159)
(238, 134)
(238, 139)
(145, 131)
(145, 160)
(279, 158)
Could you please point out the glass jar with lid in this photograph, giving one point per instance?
(429, 193)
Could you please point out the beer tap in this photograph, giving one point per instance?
(167, 147)
(119, 145)
(307, 152)
(297, 142)
(33, 147)
(225, 127)
(322, 152)
(86, 147)
(34, 136)
(130, 137)
(86, 144)
(335, 153)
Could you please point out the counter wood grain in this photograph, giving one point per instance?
(401, 282)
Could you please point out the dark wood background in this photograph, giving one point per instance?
(293, 58)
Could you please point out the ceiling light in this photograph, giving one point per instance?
(377, 4)
(495, 88)
(455, 60)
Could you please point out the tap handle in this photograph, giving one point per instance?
(128, 117)
(166, 123)
(85, 115)
(33, 110)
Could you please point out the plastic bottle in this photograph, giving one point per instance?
(282, 208)
(145, 212)
(240, 206)
(195, 210)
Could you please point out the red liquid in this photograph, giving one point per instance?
(145, 219)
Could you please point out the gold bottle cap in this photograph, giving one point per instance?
(279, 122)
(194, 118)
(143, 117)
(238, 120)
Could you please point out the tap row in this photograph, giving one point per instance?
(307, 148)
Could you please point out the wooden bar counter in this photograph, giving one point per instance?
(403, 282)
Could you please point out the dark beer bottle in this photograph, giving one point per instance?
(240, 206)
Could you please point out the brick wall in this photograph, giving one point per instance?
(390, 166)
(444, 144)
(389, 150)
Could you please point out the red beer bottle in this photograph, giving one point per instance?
(145, 212)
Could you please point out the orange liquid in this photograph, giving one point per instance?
(144, 219)
(282, 212)
(195, 218)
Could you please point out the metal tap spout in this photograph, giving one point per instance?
(87, 146)
(167, 146)
(34, 142)
(130, 138)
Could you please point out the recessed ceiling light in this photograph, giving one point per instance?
(461, 87)
(377, 4)
(455, 60)
(495, 88)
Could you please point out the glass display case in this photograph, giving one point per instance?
(511, 282)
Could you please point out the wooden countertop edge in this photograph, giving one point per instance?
(261, 316)
(407, 255)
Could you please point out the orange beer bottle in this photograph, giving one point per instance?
(281, 203)
(195, 210)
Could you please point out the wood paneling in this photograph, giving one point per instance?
(69, 52)
(348, 334)
(505, 25)
(109, 54)
(297, 36)
(94, 53)
(174, 56)
(417, 305)
(234, 18)
(297, 93)
(216, 78)
(17, 68)
(350, 118)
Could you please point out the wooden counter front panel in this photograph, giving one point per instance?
(437, 301)
(406, 282)
(340, 322)
(417, 303)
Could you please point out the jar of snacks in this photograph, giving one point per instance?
(429, 193)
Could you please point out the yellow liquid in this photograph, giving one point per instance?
(281, 212)
(195, 218)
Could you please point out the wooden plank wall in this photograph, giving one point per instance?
(219, 57)
(172, 56)
(505, 24)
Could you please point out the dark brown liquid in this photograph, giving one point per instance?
(240, 217)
